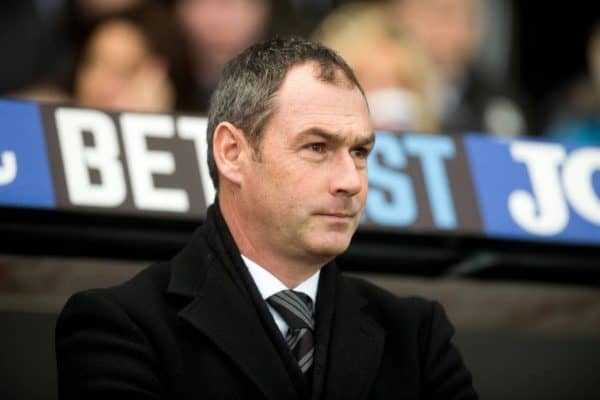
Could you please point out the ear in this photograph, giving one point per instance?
(230, 149)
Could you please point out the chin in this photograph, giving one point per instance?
(330, 249)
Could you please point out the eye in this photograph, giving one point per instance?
(317, 147)
(361, 152)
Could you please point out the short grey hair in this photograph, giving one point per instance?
(249, 83)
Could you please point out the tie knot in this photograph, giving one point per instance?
(294, 307)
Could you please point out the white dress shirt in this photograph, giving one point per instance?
(268, 285)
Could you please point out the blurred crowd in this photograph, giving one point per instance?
(422, 63)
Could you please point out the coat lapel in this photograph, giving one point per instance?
(355, 346)
(223, 315)
(221, 310)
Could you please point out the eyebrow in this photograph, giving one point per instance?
(336, 138)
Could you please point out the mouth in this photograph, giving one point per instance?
(337, 215)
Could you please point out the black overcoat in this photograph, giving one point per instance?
(195, 328)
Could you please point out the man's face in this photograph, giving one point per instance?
(306, 187)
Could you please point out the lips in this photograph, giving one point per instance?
(337, 214)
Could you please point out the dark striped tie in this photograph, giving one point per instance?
(296, 310)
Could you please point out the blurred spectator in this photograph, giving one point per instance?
(42, 37)
(578, 115)
(393, 71)
(80, 17)
(451, 32)
(131, 60)
(118, 71)
(217, 30)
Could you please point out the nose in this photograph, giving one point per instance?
(346, 178)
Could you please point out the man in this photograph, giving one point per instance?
(290, 133)
(451, 32)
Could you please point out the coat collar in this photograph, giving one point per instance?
(222, 310)
(349, 342)
(190, 266)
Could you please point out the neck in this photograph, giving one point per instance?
(291, 271)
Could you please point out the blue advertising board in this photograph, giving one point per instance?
(534, 189)
(24, 171)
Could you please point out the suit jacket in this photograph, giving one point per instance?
(196, 328)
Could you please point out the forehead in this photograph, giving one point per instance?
(118, 40)
(304, 100)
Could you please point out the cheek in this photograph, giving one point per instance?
(289, 174)
(363, 194)
(308, 185)
(92, 85)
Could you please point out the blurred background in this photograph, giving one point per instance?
(527, 314)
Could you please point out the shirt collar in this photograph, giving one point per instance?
(268, 284)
